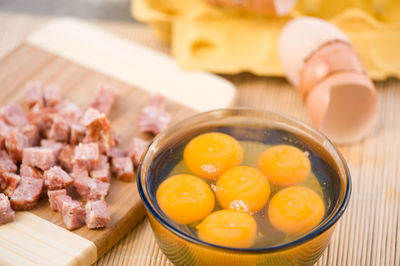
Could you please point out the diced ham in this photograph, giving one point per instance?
(42, 118)
(51, 144)
(59, 201)
(98, 129)
(52, 95)
(78, 171)
(15, 144)
(116, 152)
(122, 168)
(33, 94)
(66, 157)
(87, 156)
(59, 129)
(28, 171)
(12, 183)
(4, 132)
(73, 214)
(56, 178)
(104, 99)
(43, 158)
(6, 164)
(77, 133)
(27, 193)
(157, 100)
(93, 118)
(153, 117)
(6, 213)
(103, 171)
(97, 214)
(91, 189)
(136, 149)
(71, 112)
(56, 204)
(3, 180)
(32, 133)
(14, 115)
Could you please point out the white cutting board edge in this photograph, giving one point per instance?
(133, 63)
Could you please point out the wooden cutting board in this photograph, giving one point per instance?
(78, 57)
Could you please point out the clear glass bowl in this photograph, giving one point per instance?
(182, 248)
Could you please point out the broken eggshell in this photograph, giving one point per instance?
(262, 7)
(320, 61)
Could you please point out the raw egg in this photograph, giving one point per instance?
(228, 228)
(242, 188)
(185, 199)
(284, 165)
(296, 210)
(210, 154)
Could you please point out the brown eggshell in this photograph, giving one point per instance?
(321, 62)
(343, 106)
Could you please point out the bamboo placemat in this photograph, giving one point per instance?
(368, 233)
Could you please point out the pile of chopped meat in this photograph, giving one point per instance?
(55, 147)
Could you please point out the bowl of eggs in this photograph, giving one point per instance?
(243, 187)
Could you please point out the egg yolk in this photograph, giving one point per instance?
(284, 165)
(242, 188)
(228, 228)
(296, 210)
(185, 199)
(210, 154)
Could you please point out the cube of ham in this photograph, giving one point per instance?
(153, 117)
(27, 193)
(87, 155)
(43, 158)
(71, 112)
(4, 132)
(28, 171)
(12, 183)
(59, 129)
(78, 171)
(56, 178)
(48, 143)
(136, 149)
(14, 115)
(42, 118)
(52, 95)
(6, 164)
(33, 94)
(122, 168)
(97, 214)
(116, 152)
(66, 157)
(32, 133)
(73, 214)
(55, 201)
(15, 144)
(104, 99)
(6, 213)
(98, 129)
(3, 180)
(102, 172)
(91, 189)
(77, 133)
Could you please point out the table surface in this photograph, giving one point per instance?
(368, 233)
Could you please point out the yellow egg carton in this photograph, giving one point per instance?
(226, 41)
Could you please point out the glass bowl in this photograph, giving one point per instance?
(182, 248)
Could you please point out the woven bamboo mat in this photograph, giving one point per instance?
(368, 233)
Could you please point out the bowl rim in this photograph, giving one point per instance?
(303, 239)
